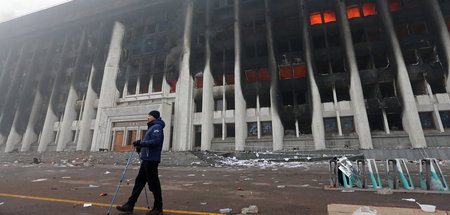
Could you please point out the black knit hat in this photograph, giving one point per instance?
(154, 113)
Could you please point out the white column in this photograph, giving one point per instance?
(47, 130)
(14, 137)
(183, 102)
(317, 127)
(109, 92)
(410, 116)
(240, 106)
(434, 11)
(70, 114)
(30, 135)
(84, 138)
(277, 126)
(356, 92)
(207, 91)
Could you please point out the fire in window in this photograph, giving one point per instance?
(395, 5)
(329, 16)
(369, 9)
(199, 82)
(263, 75)
(315, 18)
(353, 11)
(250, 75)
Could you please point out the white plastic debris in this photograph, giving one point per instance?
(107, 172)
(252, 209)
(1, 203)
(65, 177)
(93, 186)
(191, 175)
(364, 211)
(348, 191)
(87, 205)
(225, 210)
(409, 200)
(427, 208)
(203, 203)
(38, 180)
(281, 186)
(187, 185)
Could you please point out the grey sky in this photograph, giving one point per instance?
(15, 8)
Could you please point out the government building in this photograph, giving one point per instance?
(227, 75)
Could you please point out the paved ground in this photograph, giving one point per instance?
(275, 189)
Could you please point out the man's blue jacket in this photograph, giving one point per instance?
(152, 143)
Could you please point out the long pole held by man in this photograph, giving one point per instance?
(150, 153)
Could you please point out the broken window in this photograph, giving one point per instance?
(266, 128)
(301, 97)
(333, 37)
(380, 60)
(395, 5)
(131, 85)
(337, 65)
(419, 28)
(157, 82)
(288, 98)
(330, 125)
(230, 102)
(252, 129)
(387, 89)
(329, 16)
(373, 34)
(326, 95)
(426, 119)
(343, 93)
(419, 87)
(376, 122)
(410, 57)
(198, 105)
(218, 130)
(402, 30)
(322, 66)
(395, 122)
(198, 136)
(358, 36)
(438, 86)
(283, 47)
(250, 101)
(315, 18)
(318, 40)
(144, 79)
(264, 100)
(445, 118)
(304, 126)
(427, 55)
(250, 51)
(296, 45)
(230, 130)
(364, 62)
(347, 124)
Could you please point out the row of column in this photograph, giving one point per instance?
(410, 115)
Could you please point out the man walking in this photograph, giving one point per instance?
(150, 155)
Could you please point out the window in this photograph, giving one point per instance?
(315, 18)
(445, 118)
(347, 124)
(329, 16)
(218, 104)
(266, 128)
(426, 119)
(230, 130)
(395, 122)
(198, 136)
(218, 130)
(353, 11)
(330, 125)
(369, 9)
(252, 129)
(376, 122)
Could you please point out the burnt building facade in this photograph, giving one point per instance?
(227, 75)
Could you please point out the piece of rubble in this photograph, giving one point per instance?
(38, 180)
(225, 210)
(87, 205)
(103, 194)
(385, 191)
(252, 209)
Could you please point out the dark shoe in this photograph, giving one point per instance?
(125, 208)
(155, 211)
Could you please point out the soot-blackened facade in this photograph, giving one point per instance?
(227, 75)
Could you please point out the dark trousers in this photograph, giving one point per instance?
(148, 173)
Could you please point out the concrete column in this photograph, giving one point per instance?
(84, 138)
(410, 116)
(183, 128)
(30, 135)
(240, 106)
(436, 17)
(48, 128)
(5, 77)
(70, 114)
(277, 126)
(356, 92)
(9, 105)
(207, 92)
(317, 127)
(109, 92)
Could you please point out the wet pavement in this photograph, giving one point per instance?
(276, 189)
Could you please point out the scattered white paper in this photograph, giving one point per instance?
(87, 205)
(203, 203)
(38, 180)
(66, 177)
(348, 191)
(1, 203)
(191, 175)
(409, 200)
(107, 172)
(92, 186)
(281, 186)
(187, 185)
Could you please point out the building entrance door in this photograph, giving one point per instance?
(118, 142)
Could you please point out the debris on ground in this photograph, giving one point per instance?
(252, 209)
(385, 191)
(87, 205)
(1, 203)
(409, 200)
(107, 172)
(225, 210)
(103, 194)
(365, 210)
(38, 180)
(93, 186)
